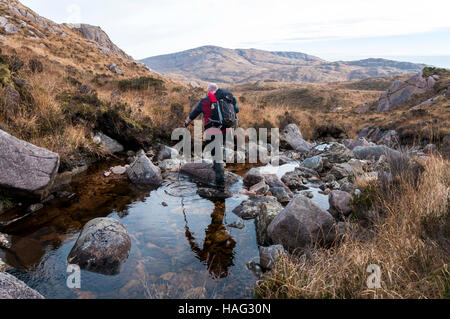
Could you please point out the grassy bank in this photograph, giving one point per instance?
(410, 241)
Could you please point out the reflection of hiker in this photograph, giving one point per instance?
(219, 111)
(217, 251)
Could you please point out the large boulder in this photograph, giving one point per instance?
(102, 247)
(13, 288)
(97, 35)
(25, 169)
(401, 91)
(204, 173)
(300, 224)
(292, 136)
(340, 204)
(375, 152)
(143, 171)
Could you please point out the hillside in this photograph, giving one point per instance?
(62, 83)
(211, 63)
(345, 109)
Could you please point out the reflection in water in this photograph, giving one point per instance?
(217, 251)
(160, 254)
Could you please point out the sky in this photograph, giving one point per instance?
(412, 30)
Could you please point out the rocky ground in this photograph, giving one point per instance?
(61, 110)
(289, 210)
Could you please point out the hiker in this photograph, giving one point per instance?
(219, 109)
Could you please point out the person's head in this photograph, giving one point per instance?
(212, 88)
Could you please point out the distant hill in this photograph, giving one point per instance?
(211, 63)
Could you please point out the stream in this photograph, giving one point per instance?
(182, 245)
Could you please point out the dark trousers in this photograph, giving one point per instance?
(219, 168)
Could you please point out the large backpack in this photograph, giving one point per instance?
(223, 114)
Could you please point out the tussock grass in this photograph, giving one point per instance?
(410, 243)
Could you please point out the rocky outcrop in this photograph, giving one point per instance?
(8, 28)
(204, 173)
(25, 169)
(300, 224)
(13, 288)
(115, 69)
(292, 137)
(98, 36)
(102, 247)
(400, 92)
(143, 171)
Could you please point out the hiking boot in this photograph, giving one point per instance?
(220, 175)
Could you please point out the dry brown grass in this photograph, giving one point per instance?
(313, 106)
(410, 244)
(53, 123)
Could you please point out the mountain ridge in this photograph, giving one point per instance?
(225, 65)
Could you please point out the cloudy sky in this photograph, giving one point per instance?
(411, 30)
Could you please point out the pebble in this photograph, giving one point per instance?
(118, 170)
